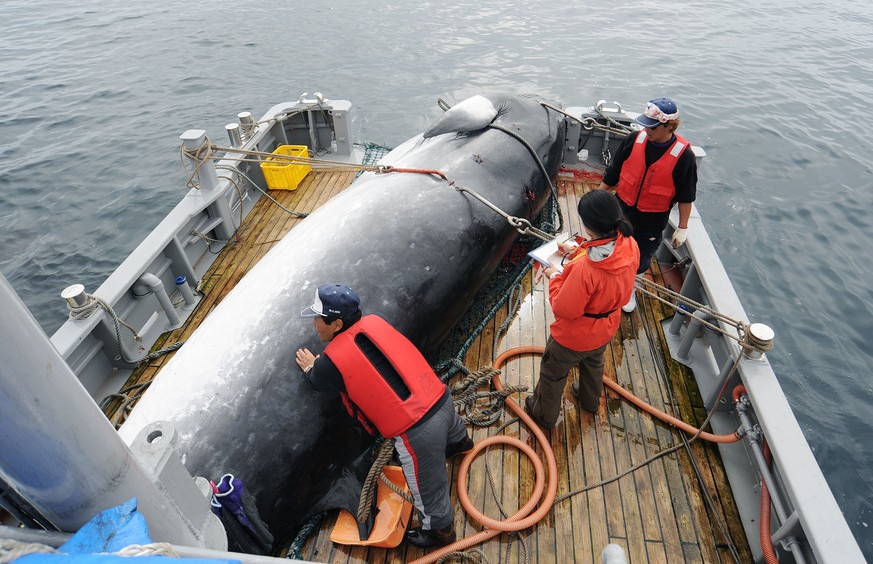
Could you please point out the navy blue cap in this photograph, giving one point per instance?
(658, 111)
(333, 300)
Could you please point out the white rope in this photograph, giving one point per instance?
(153, 549)
(12, 550)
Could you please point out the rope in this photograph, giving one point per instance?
(153, 549)
(395, 488)
(521, 225)
(475, 555)
(466, 398)
(253, 156)
(295, 549)
(261, 190)
(86, 310)
(200, 156)
(653, 289)
(127, 400)
(540, 164)
(386, 169)
(368, 490)
(591, 123)
(12, 549)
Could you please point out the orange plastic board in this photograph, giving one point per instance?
(391, 520)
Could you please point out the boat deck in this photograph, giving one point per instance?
(659, 513)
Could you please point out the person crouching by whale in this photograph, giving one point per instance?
(388, 386)
(586, 299)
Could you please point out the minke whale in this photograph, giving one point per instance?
(414, 248)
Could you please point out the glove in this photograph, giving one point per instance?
(679, 237)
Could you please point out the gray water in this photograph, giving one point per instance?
(93, 96)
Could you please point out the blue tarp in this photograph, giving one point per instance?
(108, 532)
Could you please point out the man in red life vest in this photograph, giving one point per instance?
(652, 170)
(388, 386)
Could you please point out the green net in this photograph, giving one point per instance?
(373, 152)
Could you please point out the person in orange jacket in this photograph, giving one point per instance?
(586, 298)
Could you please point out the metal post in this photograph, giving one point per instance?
(571, 147)
(692, 285)
(157, 287)
(341, 127)
(194, 140)
(60, 453)
(181, 263)
(725, 372)
(247, 124)
(691, 332)
(234, 135)
(679, 319)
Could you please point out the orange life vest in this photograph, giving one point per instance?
(394, 399)
(650, 190)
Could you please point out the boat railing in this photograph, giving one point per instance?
(156, 287)
(808, 521)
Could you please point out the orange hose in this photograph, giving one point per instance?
(520, 520)
(732, 438)
(767, 549)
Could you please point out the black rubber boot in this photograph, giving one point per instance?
(528, 408)
(426, 538)
(575, 388)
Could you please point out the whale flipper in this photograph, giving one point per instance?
(473, 114)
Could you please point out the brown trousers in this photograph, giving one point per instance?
(556, 364)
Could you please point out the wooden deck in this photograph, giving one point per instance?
(657, 513)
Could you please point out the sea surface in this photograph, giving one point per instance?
(93, 97)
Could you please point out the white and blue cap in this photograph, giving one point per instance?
(658, 111)
(333, 300)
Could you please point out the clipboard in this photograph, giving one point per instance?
(549, 254)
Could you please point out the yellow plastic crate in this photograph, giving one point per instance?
(281, 174)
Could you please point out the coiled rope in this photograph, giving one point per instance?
(466, 398)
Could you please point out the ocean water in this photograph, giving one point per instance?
(93, 97)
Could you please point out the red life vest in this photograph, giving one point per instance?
(396, 397)
(649, 190)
